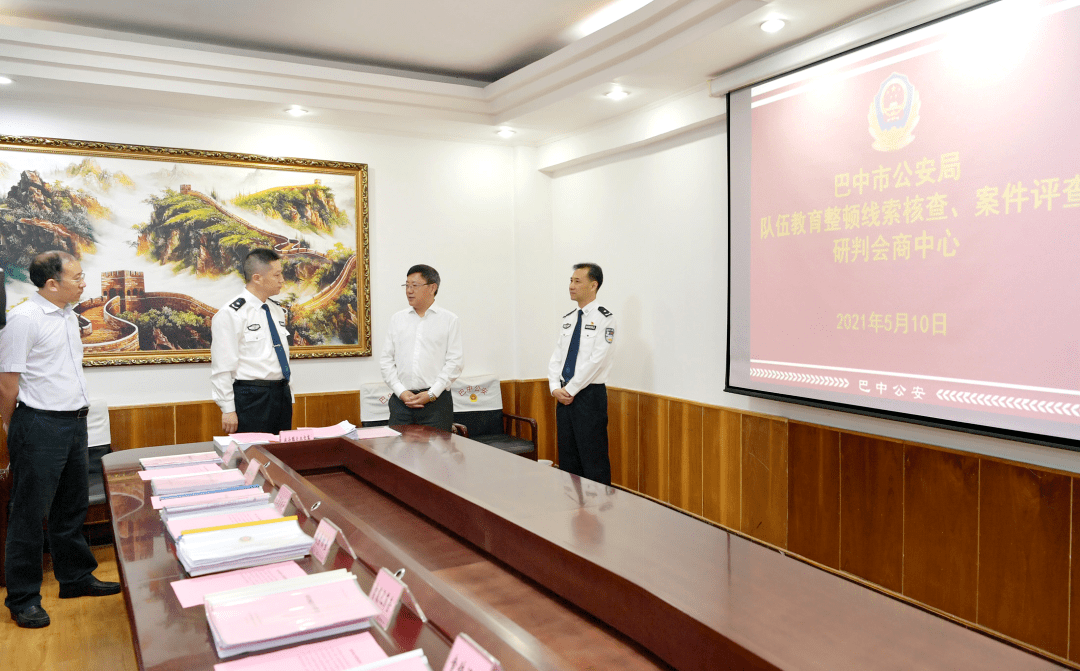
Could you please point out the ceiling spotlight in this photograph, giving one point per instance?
(506, 133)
(617, 93)
(296, 110)
(6, 80)
(773, 25)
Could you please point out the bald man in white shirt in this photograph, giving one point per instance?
(422, 355)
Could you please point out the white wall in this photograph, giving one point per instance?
(447, 204)
(656, 222)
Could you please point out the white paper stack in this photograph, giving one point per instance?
(414, 660)
(178, 524)
(287, 612)
(242, 546)
(197, 482)
(175, 460)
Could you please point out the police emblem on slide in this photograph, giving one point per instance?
(894, 113)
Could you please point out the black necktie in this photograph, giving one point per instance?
(278, 348)
(571, 353)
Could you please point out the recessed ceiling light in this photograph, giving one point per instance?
(773, 25)
(506, 133)
(6, 80)
(617, 93)
(296, 110)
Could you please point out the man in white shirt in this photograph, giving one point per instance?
(577, 376)
(249, 352)
(44, 403)
(422, 355)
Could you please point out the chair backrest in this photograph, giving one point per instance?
(98, 433)
(374, 397)
(477, 392)
(481, 422)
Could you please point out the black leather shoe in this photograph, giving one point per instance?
(94, 587)
(33, 617)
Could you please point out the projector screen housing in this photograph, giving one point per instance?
(904, 226)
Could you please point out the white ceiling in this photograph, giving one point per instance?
(448, 68)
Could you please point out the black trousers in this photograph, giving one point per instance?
(262, 406)
(49, 479)
(583, 439)
(439, 413)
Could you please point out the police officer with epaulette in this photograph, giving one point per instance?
(249, 352)
(577, 376)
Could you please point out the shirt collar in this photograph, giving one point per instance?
(434, 307)
(252, 297)
(588, 309)
(46, 305)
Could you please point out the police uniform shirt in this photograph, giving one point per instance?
(241, 347)
(41, 342)
(595, 348)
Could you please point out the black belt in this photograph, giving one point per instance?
(262, 383)
(71, 414)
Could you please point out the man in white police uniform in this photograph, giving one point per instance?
(249, 352)
(577, 376)
(422, 355)
(44, 403)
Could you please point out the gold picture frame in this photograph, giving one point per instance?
(161, 232)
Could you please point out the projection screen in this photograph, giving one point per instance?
(905, 227)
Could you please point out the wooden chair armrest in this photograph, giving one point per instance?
(527, 420)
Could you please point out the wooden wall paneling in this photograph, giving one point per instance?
(1074, 583)
(765, 479)
(534, 400)
(508, 389)
(814, 493)
(721, 465)
(624, 437)
(653, 450)
(684, 456)
(872, 509)
(941, 529)
(331, 408)
(1024, 524)
(197, 422)
(142, 426)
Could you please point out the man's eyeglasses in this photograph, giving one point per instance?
(414, 286)
(78, 278)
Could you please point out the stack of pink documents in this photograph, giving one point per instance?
(287, 612)
(178, 524)
(179, 460)
(208, 503)
(196, 482)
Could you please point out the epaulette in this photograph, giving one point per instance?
(274, 302)
(238, 303)
(604, 311)
(569, 313)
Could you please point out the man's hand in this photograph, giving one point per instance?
(563, 396)
(229, 422)
(416, 400)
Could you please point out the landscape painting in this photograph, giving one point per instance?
(161, 234)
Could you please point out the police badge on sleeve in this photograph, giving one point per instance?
(609, 334)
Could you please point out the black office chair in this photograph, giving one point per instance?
(492, 427)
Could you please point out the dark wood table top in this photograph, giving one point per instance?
(694, 595)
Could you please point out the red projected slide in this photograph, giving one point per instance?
(915, 222)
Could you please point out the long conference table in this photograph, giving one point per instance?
(546, 571)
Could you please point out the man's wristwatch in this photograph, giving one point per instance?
(431, 397)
